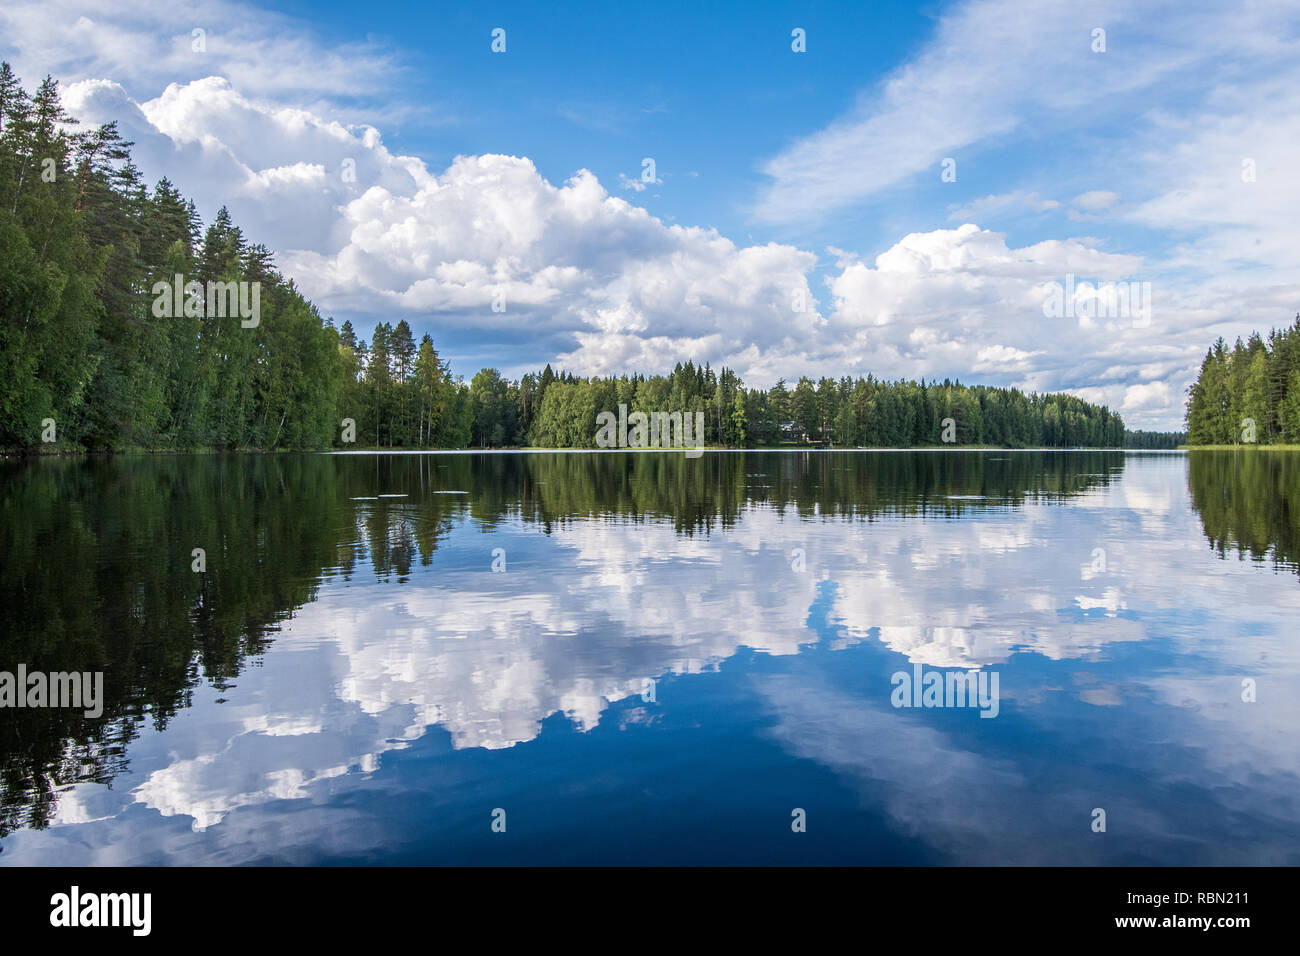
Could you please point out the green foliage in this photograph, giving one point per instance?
(83, 246)
(1254, 380)
(862, 413)
(1154, 440)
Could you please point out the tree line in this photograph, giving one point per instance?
(1140, 439)
(88, 361)
(560, 411)
(1249, 393)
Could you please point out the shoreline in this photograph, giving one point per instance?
(27, 454)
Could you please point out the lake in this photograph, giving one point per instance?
(639, 658)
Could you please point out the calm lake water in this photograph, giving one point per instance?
(645, 659)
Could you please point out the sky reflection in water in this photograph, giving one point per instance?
(415, 690)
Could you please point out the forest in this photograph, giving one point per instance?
(1249, 393)
(87, 364)
(83, 359)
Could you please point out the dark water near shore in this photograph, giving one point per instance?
(672, 657)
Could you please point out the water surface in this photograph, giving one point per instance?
(670, 657)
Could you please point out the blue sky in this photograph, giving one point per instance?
(1157, 157)
(707, 92)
